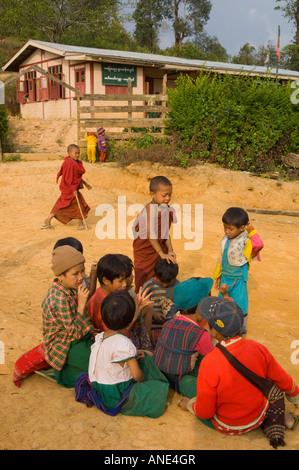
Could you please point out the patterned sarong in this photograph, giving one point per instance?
(85, 393)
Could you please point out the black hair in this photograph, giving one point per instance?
(71, 241)
(235, 216)
(118, 310)
(72, 147)
(157, 181)
(111, 266)
(129, 264)
(188, 311)
(165, 271)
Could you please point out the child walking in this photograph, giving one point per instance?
(151, 231)
(102, 144)
(117, 381)
(239, 246)
(67, 207)
(92, 143)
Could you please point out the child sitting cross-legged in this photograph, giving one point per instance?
(183, 343)
(120, 378)
(161, 289)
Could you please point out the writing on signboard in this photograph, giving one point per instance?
(118, 74)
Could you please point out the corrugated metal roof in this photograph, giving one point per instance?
(139, 57)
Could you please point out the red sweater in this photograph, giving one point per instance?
(224, 394)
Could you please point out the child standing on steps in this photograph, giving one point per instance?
(66, 207)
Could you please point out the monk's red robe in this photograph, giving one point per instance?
(66, 207)
(145, 255)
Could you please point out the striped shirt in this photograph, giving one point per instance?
(61, 323)
(181, 337)
(159, 293)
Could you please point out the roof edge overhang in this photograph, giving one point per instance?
(14, 63)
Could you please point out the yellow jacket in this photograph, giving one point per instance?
(92, 140)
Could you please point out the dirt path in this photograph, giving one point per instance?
(43, 415)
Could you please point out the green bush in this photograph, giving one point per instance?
(4, 127)
(240, 122)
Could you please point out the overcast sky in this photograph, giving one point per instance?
(235, 22)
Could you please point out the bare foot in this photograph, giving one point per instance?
(183, 403)
(290, 421)
(48, 221)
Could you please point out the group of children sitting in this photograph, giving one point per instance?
(122, 348)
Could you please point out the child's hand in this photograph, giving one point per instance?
(82, 298)
(249, 227)
(217, 283)
(89, 187)
(223, 290)
(158, 317)
(169, 256)
(143, 299)
(140, 353)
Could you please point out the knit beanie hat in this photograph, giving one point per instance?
(188, 294)
(225, 316)
(64, 258)
(100, 130)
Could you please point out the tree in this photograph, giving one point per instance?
(188, 17)
(52, 20)
(290, 9)
(148, 16)
(246, 55)
(211, 47)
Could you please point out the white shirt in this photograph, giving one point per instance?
(106, 353)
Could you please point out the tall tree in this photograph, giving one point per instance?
(188, 17)
(246, 55)
(52, 19)
(290, 9)
(211, 47)
(148, 16)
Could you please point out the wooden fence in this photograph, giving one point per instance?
(121, 114)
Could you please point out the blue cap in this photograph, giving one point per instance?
(225, 316)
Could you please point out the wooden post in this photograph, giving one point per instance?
(278, 53)
(164, 92)
(130, 102)
(78, 117)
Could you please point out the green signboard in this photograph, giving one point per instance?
(118, 74)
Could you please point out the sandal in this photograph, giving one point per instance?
(296, 421)
(47, 227)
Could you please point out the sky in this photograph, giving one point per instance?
(235, 22)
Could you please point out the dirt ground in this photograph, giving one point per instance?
(43, 415)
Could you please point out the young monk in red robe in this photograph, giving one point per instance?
(151, 231)
(66, 207)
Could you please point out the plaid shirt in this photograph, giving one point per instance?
(61, 323)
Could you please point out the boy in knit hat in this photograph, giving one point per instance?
(225, 399)
(66, 326)
(102, 144)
